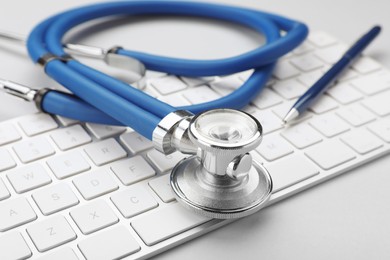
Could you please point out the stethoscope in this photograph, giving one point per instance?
(219, 179)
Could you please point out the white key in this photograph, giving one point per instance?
(323, 104)
(104, 152)
(67, 138)
(308, 79)
(162, 187)
(61, 254)
(176, 220)
(344, 93)
(55, 198)
(37, 123)
(93, 216)
(226, 85)
(289, 89)
(95, 184)
(330, 154)
(105, 131)
(4, 193)
(134, 201)
(301, 135)
(381, 129)
(373, 83)
(50, 233)
(362, 141)
(379, 104)
(6, 160)
(115, 243)
(332, 53)
(135, 142)
(164, 162)
(244, 75)
(269, 121)
(267, 98)
(321, 39)
(14, 213)
(274, 147)
(8, 133)
(306, 62)
(347, 74)
(305, 47)
(282, 110)
(66, 121)
(28, 178)
(176, 100)
(168, 85)
(33, 149)
(291, 170)
(329, 125)
(285, 70)
(200, 95)
(356, 115)
(68, 164)
(366, 65)
(132, 170)
(13, 246)
(194, 82)
(151, 74)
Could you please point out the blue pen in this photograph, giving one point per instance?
(331, 75)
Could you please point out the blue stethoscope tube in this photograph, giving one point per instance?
(103, 99)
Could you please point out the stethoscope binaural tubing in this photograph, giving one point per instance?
(100, 98)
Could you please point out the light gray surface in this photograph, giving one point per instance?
(345, 218)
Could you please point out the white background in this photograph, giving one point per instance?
(345, 218)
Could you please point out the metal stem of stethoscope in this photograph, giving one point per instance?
(109, 56)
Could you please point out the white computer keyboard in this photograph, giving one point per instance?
(70, 190)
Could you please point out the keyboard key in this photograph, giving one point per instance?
(356, 115)
(323, 104)
(55, 198)
(381, 129)
(14, 213)
(200, 94)
(6, 160)
(33, 149)
(104, 152)
(37, 123)
(135, 142)
(93, 216)
(285, 70)
(301, 136)
(347, 74)
(168, 85)
(95, 184)
(330, 154)
(62, 254)
(176, 220)
(308, 79)
(162, 187)
(373, 83)
(329, 125)
(8, 134)
(176, 100)
(13, 246)
(134, 201)
(28, 178)
(4, 193)
(66, 121)
(332, 53)
(194, 82)
(305, 47)
(115, 243)
(68, 164)
(321, 39)
(366, 65)
(362, 141)
(132, 170)
(268, 120)
(266, 99)
(67, 138)
(291, 170)
(164, 162)
(344, 93)
(226, 85)
(282, 110)
(50, 233)
(289, 89)
(274, 147)
(244, 75)
(306, 62)
(105, 131)
(379, 104)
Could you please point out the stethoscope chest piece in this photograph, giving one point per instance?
(222, 181)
